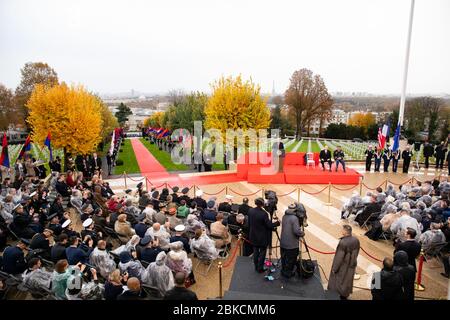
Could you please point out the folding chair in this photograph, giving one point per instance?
(434, 251)
(202, 259)
(367, 223)
(310, 160)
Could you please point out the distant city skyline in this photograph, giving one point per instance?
(153, 47)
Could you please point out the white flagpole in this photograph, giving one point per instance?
(405, 70)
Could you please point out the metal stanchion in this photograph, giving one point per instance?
(125, 178)
(263, 192)
(194, 187)
(418, 285)
(220, 279)
(226, 190)
(146, 184)
(329, 195)
(360, 187)
(385, 184)
(240, 244)
(298, 194)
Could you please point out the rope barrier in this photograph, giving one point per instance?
(135, 180)
(213, 194)
(399, 184)
(286, 194)
(344, 189)
(228, 263)
(245, 195)
(314, 193)
(316, 250)
(376, 259)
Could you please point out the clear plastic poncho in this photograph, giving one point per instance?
(158, 274)
(205, 248)
(177, 259)
(103, 262)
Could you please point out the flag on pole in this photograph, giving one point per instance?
(47, 143)
(4, 158)
(382, 136)
(26, 147)
(396, 144)
(113, 139)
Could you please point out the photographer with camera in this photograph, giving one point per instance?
(260, 234)
(291, 232)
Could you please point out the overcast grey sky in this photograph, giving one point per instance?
(154, 46)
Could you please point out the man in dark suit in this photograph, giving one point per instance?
(96, 163)
(325, 156)
(410, 246)
(134, 291)
(428, 152)
(179, 292)
(261, 228)
(369, 155)
(440, 155)
(339, 158)
(244, 207)
(406, 156)
(41, 241)
(14, 258)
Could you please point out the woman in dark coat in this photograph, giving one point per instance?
(344, 264)
(407, 272)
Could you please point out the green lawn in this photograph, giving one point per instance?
(163, 157)
(130, 164)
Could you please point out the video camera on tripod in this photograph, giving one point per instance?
(299, 211)
(270, 201)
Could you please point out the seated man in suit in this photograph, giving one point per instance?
(325, 156)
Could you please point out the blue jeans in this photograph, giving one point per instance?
(342, 162)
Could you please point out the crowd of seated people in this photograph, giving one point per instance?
(415, 217)
(112, 246)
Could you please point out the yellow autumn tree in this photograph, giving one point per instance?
(72, 115)
(155, 120)
(362, 119)
(236, 104)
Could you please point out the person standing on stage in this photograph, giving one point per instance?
(440, 155)
(377, 155)
(344, 264)
(325, 156)
(260, 232)
(387, 153)
(395, 156)
(428, 152)
(339, 158)
(406, 156)
(369, 155)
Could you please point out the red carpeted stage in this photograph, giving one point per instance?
(256, 168)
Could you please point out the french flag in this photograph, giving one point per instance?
(383, 134)
(4, 158)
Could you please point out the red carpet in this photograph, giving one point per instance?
(295, 172)
(146, 161)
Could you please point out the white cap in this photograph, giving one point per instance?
(66, 223)
(180, 228)
(87, 222)
(229, 197)
(16, 206)
(199, 193)
(33, 194)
